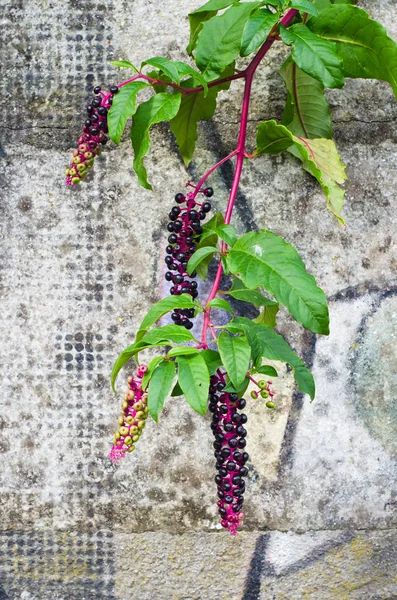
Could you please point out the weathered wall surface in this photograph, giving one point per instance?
(79, 269)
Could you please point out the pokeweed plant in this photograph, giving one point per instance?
(329, 40)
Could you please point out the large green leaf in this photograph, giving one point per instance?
(241, 292)
(314, 55)
(320, 158)
(268, 316)
(219, 41)
(160, 387)
(305, 6)
(198, 256)
(194, 381)
(207, 241)
(362, 43)
(202, 14)
(274, 347)
(265, 259)
(124, 103)
(235, 355)
(161, 107)
(151, 367)
(212, 360)
(306, 111)
(221, 304)
(256, 30)
(169, 333)
(163, 307)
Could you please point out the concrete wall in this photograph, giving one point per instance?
(79, 268)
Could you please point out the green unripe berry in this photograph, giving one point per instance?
(254, 394)
(75, 180)
(270, 404)
(120, 420)
(139, 415)
(265, 394)
(135, 438)
(262, 384)
(141, 424)
(128, 440)
(123, 431)
(131, 448)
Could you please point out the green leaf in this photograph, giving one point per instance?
(198, 256)
(268, 316)
(212, 360)
(177, 390)
(362, 43)
(214, 222)
(186, 70)
(256, 30)
(160, 387)
(165, 65)
(274, 347)
(320, 158)
(222, 304)
(267, 370)
(206, 241)
(124, 103)
(124, 64)
(204, 13)
(235, 355)
(304, 6)
(151, 366)
(161, 107)
(219, 41)
(162, 307)
(240, 390)
(306, 111)
(266, 260)
(272, 138)
(316, 56)
(181, 351)
(193, 108)
(194, 380)
(241, 292)
(169, 333)
(227, 233)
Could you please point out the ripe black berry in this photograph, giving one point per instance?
(114, 89)
(172, 238)
(208, 192)
(97, 89)
(180, 198)
(102, 111)
(206, 207)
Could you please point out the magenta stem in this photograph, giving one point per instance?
(240, 153)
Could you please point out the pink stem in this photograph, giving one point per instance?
(248, 75)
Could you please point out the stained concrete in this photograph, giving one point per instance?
(79, 269)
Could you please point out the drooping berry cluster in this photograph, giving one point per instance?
(229, 431)
(185, 229)
(265, 391)
(93, 137)
(132, 420)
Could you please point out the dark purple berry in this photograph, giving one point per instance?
(94, 130)
(94, 118)
(233, 397)
(168, 276)
(169, 249)
(241, 431)
(233, 443)
(114, 89)
(89, 109)
(231, 465)
(102, 111)
(168, 260)
(170, 226)
(206, 207)
(242, 403)
(177, 226)
(218, 479)
(228, 499)
(236, 480)
(242, 443)
(202, 215)
(243, 471)
(229, 427)
(172, 238)
(236, 417)
(244, 418)
(208, 192)
(180, 198)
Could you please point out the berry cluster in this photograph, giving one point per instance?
(185, 229)
(133, 417)
(93, 137)
(265, 391)
(229, 431)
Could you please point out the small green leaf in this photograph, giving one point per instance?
(181, 351)
(161, 107)
(124, 64)
(160, 387)
(165, 65)
(212, 360)
(267, 370)
(265, 260)
(169, 333)
(219, 41)
(214, 222)
(227, 233)
(194, 380)
(198, 256)
(185, 70)
(207, 240)
(177, 390)
(256, 30)
(123, 106)
(268, 316)
(235, 355)
(241, 292)
(316, 56)
(272, 138)
(151, 366)
(306, 111)
(240, 390)
(304, 6)
(222, 304)
(163, 307)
